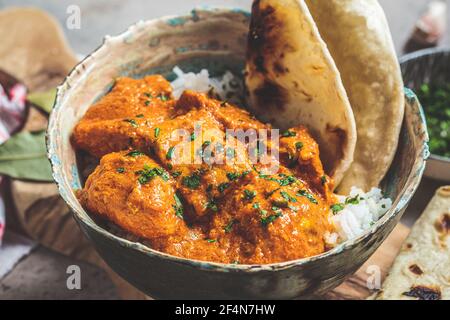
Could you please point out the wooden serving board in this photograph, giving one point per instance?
(356, 286)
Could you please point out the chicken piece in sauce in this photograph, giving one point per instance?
(231, 212)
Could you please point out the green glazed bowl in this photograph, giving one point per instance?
(215, 40)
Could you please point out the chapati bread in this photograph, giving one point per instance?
(33, 48)
(292, 79)
(358, 37)
(422, 269)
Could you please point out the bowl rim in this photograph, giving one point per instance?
(411, 57)
(82, 217)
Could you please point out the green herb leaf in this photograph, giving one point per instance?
(354, 200)
(229, 226)
(178, 206)
(323, 180)
(288, 134)
(149, 174)
(212, 205)
(157, 131)
(265, 221)
(249, 195)
(24, 156)
(162, 97)
(176, 174)
(309, 196)
(43, 100)
(337, 207)
(211, 240)
(298, 145)
(258, 207)
(120, 170)
(192, 182)
(132, 122)
(288, 197)
(169, 154)
(134, 153)
(223, 186)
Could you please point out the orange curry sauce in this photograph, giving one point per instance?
(228, 213)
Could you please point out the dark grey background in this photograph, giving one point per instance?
(101, 17)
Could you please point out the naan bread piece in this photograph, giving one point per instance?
(358, 37)
(422, 269)
(292, 80)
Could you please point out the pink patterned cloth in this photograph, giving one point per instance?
(12, 115)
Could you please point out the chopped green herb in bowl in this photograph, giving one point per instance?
(436, 102)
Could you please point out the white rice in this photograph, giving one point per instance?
(229, 87)
(357, 217)
(354, 218)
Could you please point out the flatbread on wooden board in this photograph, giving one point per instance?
(292, 80)
(422, 269)
(360, 42)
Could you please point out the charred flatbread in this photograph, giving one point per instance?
(292, 79)
(422, 269)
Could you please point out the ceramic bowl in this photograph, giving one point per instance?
(215, 40)
(429, 66)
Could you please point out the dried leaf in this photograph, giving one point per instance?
(24, 156)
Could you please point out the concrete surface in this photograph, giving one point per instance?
(42, 275)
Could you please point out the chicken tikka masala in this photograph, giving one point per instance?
(230, 212)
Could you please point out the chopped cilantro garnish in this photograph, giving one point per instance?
(163, 97)
(169, 154)
(309, 196)
(337, 207)
(323, 180)
(229, 226)
(120, 170)
(192, 182)
(148, 95)
(212, 205)
(284, 181)
(298, 145)
(258, 207)
(192, 137)
(178, 206)
(176, 174)
(288, 134)
(139, 115)
(157, 131)
(147, 174)
(265, 221)
(232, 176)
(134, 153)
(354, 200)
(288, 197)
(223, 186)
(249, 195)
(211, 240)
(132, 122)
(147, 103)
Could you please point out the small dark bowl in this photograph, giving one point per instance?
(429, 66)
